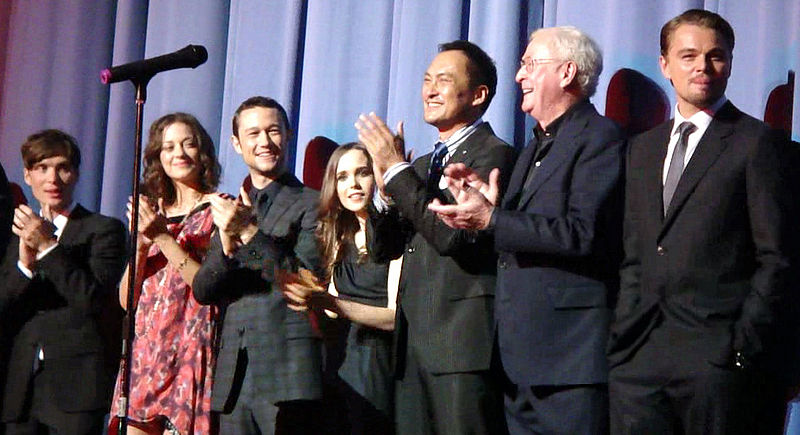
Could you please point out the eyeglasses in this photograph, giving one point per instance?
(531, 64)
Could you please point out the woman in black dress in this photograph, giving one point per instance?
(361, 289)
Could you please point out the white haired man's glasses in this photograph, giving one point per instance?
(531, 64)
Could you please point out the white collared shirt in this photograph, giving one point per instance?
(701, 121)
(60, 221)
(452, 143)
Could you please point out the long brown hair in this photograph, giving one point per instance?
(155, 181)
(337, 225)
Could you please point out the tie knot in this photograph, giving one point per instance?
(439, 150)
(686, 128)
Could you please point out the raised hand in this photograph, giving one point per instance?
(475, 199)
(33, 231)
(385, 148)
(234, 220)
(144, 239)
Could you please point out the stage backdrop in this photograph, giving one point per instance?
(326, 61)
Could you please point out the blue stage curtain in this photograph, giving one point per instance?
(325, 61)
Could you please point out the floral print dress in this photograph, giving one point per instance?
(173, 350)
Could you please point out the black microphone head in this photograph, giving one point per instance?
(200, 54)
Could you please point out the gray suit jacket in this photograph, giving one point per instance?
(284, 354)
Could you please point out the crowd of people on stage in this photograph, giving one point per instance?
(588, 283)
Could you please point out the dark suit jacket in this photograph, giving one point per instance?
(559, 250)
(284, 354)
(61, 310)
(719, 263)
(446, 294)
(6, 212)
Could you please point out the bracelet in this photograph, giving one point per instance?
(183, 262)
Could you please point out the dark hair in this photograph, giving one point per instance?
(259, 101)
(481, 68)
(156, 183)
(337, 225)
(697, 17)
(50, 143)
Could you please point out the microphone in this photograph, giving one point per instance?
(190, 56)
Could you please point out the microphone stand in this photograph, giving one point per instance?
(128, 332)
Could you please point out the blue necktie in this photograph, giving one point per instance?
(676, 164)
(436, 169)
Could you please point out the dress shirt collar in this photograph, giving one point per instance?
(701, 119)
(460, 136)
(60, 219)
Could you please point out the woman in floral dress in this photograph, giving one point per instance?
(173, 348)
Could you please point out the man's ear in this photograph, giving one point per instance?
(26, 175)
(568, 75)
(662, 63)
(479, 96)
(236, 145)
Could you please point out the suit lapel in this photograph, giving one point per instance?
(74, 224)
(711, 145)
(281, 204)
(518, 175)
(656, 153)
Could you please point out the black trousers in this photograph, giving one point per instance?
(46, 418)
(452, 403)
(669, 387)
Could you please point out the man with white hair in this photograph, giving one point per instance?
(557, 233)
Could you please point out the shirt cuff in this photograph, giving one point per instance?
(394, 170)
(42, 254)
(25, 271)
(380, 204)
(492, 220)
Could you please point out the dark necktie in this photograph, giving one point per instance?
(436, 168)
(676, 164)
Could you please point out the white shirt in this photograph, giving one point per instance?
(60, 221)
(701, 121)
(452, 143)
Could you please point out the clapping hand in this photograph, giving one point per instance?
(475, 199)
(234, 220)
(299, 288)
(151, 224)
(385, 148)
(35, 233)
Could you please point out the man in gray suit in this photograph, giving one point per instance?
(268, 372)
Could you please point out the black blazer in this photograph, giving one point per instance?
(284, 354)
(6, 212)
(446, 295)
(65, 310)
(720, 261)
(559, 251)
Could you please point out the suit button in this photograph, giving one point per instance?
(660, 251)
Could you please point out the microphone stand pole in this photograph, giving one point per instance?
(130, 318)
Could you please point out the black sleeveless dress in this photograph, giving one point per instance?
(367, 363)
